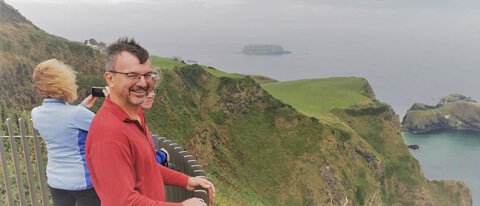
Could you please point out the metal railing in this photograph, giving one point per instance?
(184, 162)
(16, 157)
(23, 159)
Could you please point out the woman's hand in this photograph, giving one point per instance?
(106, 91)
(89, 101)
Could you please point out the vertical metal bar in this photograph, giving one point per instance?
(13, 146)
(177, 191)
(28, 162)
(6, 175)
(202, 194)
(158, 141)
(170, 190)
(175, 148)
(185, 163)
(189, 170)
(41, 167)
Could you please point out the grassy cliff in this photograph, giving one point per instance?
(261, 151)
(315, 97)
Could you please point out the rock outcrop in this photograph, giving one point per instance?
(263, 49)
(454, 112)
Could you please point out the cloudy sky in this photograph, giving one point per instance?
(443, 34)
(177, 23)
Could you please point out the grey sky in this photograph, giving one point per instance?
(250, 20)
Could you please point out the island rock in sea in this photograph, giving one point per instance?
(263, 49)
(452, 113)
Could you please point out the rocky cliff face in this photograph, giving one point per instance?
(454, 112)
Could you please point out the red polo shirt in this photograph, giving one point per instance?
(121, 159)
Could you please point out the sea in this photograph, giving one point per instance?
(449, 155)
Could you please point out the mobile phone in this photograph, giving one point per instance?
(98, 92)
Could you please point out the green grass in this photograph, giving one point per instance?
(315, 97)
(165, 63)
(218, 73)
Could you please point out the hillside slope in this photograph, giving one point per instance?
(23, 45)
(260, 151)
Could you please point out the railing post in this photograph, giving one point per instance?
(6, 175)
(13, 146)
(202, 194)
(178, 193)
(170, 190)
(186, 163)
(41, 167)
(28, 162)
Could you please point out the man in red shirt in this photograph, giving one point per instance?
(119, 150)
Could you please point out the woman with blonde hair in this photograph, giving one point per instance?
(64, 128)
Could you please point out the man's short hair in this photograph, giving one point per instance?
(128, 45)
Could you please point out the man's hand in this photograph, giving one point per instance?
(194, 202)
(89, 101)
(202, 182)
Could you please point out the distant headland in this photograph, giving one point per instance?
(263, 49)
(455, 112)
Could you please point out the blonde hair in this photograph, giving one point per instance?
(159, 78)
(54, 79)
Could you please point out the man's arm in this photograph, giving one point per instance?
(172, 177)
(113, 176)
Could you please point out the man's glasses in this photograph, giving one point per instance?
(134, 76)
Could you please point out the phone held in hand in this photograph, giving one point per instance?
(98, 92)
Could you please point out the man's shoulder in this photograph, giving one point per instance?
(105, 119)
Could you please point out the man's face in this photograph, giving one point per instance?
(130, 92)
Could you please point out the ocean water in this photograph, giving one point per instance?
(449, 155)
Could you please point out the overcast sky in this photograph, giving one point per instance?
(178, 23)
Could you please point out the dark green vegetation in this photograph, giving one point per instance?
(257, 149)
(454, 112)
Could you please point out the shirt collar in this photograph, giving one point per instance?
(118, 112)
(53, 101)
